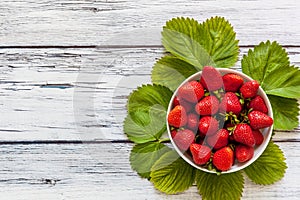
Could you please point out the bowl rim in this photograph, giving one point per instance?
(267, 132)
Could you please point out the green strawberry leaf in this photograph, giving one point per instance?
(171, 72)
(146, 119)
(143, 156)
(210, 43)
(269, 64)
(181, 37)
(218, 187)
(219, 39)
(287, 118)
(269, 167)
(171, 174)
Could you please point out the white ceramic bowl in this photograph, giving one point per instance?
(258, 150)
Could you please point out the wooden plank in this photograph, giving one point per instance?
(102, 171)
(76, 94)
(84, 22)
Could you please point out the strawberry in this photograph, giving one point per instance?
(232, 82)
(201, 154)
(208, 125)
(219, 140)
(231, 139)
(258, 137)
(187, 105)
(249, 89)
(211, 78)
(258, 103)
(230, 103)
(192, 91)
(184, 138)
(207, 106)
(177, 117)
(176, 101)
(223, 158)
(259, 120)
(243, 134)
(243, 153)
(173, 133)
(192, 121)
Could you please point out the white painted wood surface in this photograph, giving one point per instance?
(66, 68)
(102, 171)
(36, 108)
(91, 22)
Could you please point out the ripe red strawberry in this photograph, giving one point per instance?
(231, 139)
(258, 103)
(207, 106)
(192, 91)
(187, 105)
(173, 133)
(201, 154)
(219, 140)
(259, 120)
(192, 121)
(258, 137)
(230, 103)
(232, 82)
(176, 101)
(211, 78)
(243, 134)
(249, 89)
(243, 153)
(223, 159)
(208, 125)
(184, 138)
(177, 117)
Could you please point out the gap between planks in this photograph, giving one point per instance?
(33, 142)
(110, 46)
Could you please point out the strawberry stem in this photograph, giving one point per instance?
(218, 93)
(232, 146)
(232, 118)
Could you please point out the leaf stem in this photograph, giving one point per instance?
(164, 140)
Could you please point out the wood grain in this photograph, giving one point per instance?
(76, 94)
(102, 171)
(114, 22)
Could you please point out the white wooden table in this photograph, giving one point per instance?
(66, 69)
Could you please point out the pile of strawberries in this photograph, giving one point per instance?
(218, 119)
